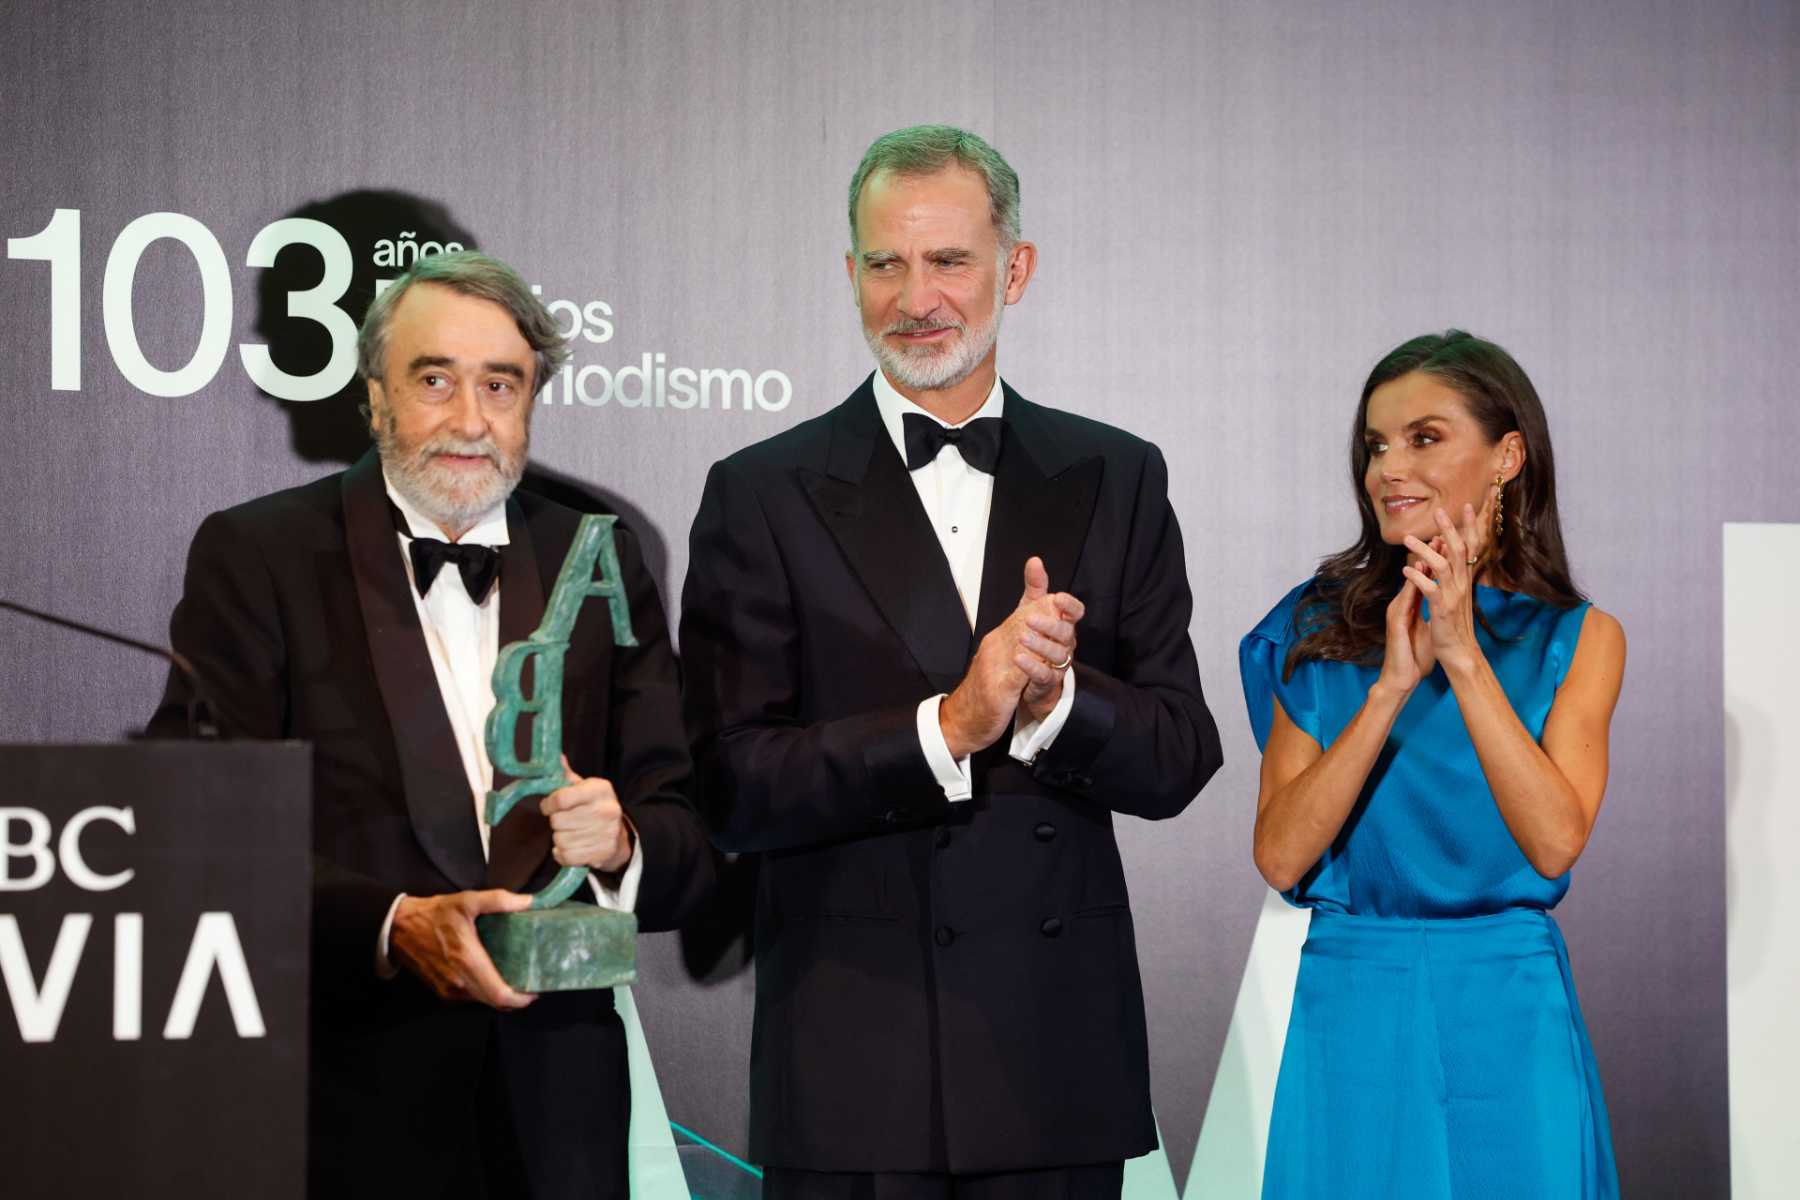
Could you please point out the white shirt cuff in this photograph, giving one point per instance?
(624, 897)
(952, 774)
(1032, 738)
(384, 966)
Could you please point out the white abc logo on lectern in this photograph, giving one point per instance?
(38, 1006)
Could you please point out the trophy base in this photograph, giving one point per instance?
(572, 947)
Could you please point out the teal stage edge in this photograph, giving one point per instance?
(714, 1173)
(723, 1153)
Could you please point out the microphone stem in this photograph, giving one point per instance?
(200, 720)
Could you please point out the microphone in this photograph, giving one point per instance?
(201, 724)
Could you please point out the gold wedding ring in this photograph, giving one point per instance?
(1063, 665)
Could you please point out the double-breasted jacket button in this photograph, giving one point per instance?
(1045, 832)
(1052, 927)
(944, 935)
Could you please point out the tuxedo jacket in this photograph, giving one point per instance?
(299, 620)
(939, 987)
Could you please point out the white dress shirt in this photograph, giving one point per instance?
(957, 499)
(463, 639)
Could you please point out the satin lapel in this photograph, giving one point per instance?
(521, 842)
(437, 791)
(1046, 513)
(872, 510)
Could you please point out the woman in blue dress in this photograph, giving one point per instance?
(1433, 709)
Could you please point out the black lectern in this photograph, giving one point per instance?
(154, 925)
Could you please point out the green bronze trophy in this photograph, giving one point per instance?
(553, 946)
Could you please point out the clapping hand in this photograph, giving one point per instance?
(1047, 643)
(1444, 574)
(1020, 662)
(1410, 655)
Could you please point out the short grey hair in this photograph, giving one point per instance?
(927, 149)
(469, 273)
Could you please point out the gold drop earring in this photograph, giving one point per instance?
(1499, 508)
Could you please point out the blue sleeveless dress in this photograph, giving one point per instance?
(1435, 1049)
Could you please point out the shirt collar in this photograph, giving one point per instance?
(489, 529)
(893, 406)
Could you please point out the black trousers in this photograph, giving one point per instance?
(1101, 1181)
(532, 1105)
(539, 1138)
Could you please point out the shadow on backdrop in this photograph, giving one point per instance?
(331, 430)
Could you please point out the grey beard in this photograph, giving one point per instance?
(450, 506)
(928, 372)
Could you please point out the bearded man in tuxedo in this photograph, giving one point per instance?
(934, 640)
(363, 613)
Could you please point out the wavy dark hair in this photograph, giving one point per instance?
(1343, 616)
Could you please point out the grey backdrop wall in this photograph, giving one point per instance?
(1238, 206)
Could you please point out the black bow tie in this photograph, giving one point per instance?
(978, 442)
(479, 566)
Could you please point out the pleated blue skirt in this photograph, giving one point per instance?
(1438, 1060)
